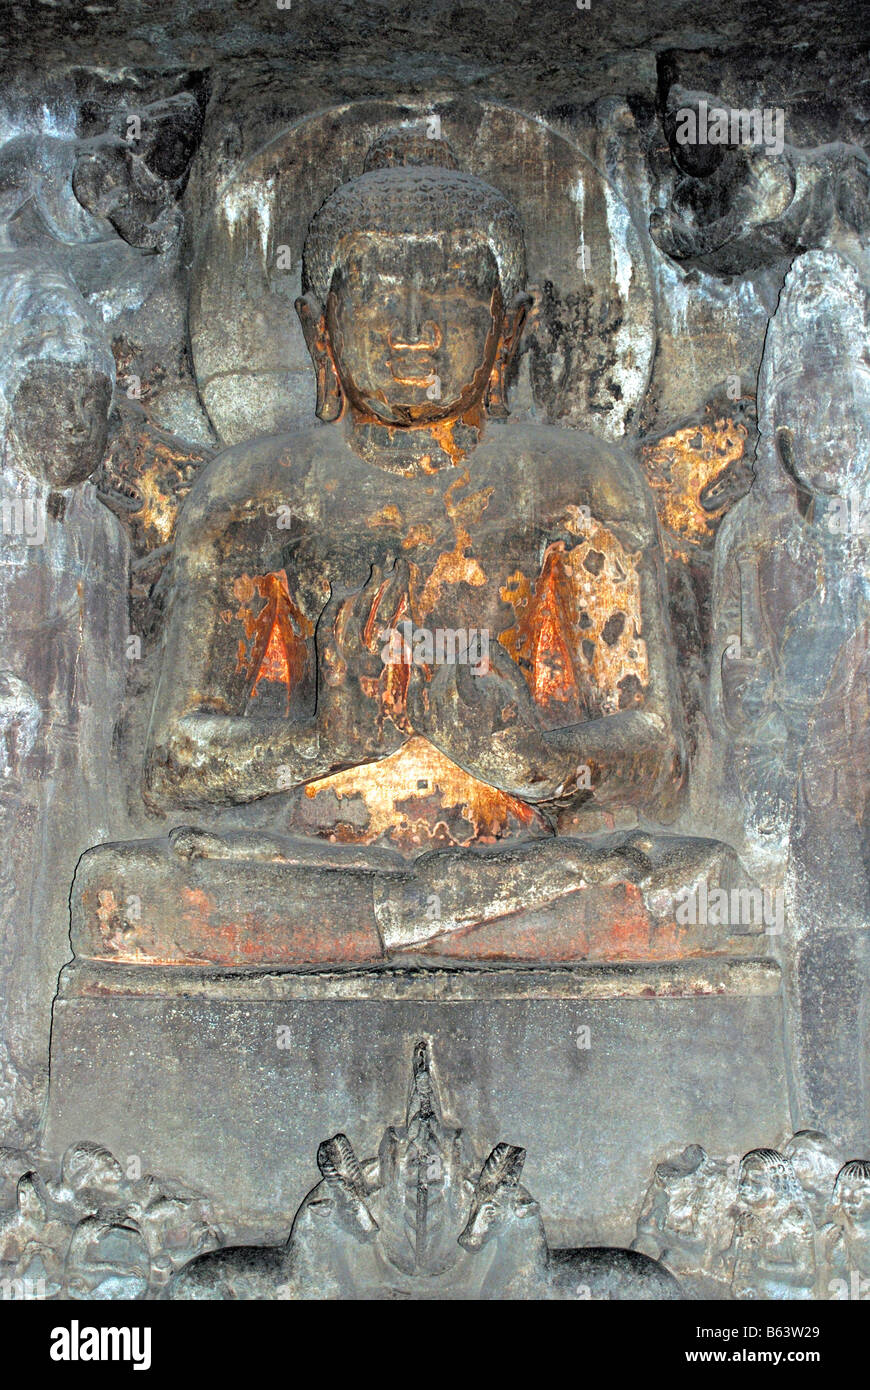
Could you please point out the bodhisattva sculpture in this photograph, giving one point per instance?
(63, 625)
(789, 679)
(790, 584)
(423, 651)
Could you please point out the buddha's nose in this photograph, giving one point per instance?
(413, 321)
(412, 330)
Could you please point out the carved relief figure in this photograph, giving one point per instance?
(789, 582)
(58, 191)
(816, 1162)
(415, 1222)
(846, 1241)
(686, 1219)
(62, 632)
(711, 1219)
(773, 1244)
(94, 1233)
(789, 682)
(745, 199)
(418, 510)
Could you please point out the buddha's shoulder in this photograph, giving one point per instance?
(265, 471)
(567, 462)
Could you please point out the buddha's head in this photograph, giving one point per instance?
(851, 1200)
(413, 300)
(57, 375)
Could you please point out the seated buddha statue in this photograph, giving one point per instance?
(417, 661)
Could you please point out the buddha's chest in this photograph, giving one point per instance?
(455, 543)
(456, 564)
(561, 596)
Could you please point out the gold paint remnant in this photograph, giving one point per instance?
(458, 565)
(417, 798)
(388, 516)
(682, 465)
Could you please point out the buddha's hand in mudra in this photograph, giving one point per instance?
(482, 716)
(351, 636)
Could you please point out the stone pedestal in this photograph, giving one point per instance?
(228, 1080)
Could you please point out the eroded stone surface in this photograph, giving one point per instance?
(530, 679)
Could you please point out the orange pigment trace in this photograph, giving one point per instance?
(278, 633)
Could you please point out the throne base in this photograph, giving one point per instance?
(229, 1079)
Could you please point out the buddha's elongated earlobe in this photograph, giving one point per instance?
(512, 327)
(330, 398)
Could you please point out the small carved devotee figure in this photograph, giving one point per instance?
(773, 1242)
(846, 1241)
(33, 1241)
(816, 1163)
(686, 1216)
(90, 1178)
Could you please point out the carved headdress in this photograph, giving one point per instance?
(780, 1170)
(856, 1170)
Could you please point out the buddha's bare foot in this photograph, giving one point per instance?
(681, 868)
(559, 899)
(189, 842)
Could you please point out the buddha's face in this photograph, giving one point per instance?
(824, 417)
(414, 324)
(59, 420)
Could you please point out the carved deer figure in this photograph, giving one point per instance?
(320, 1257)
(505, 1217)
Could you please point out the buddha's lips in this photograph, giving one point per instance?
(419, 371)
(429, 342)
